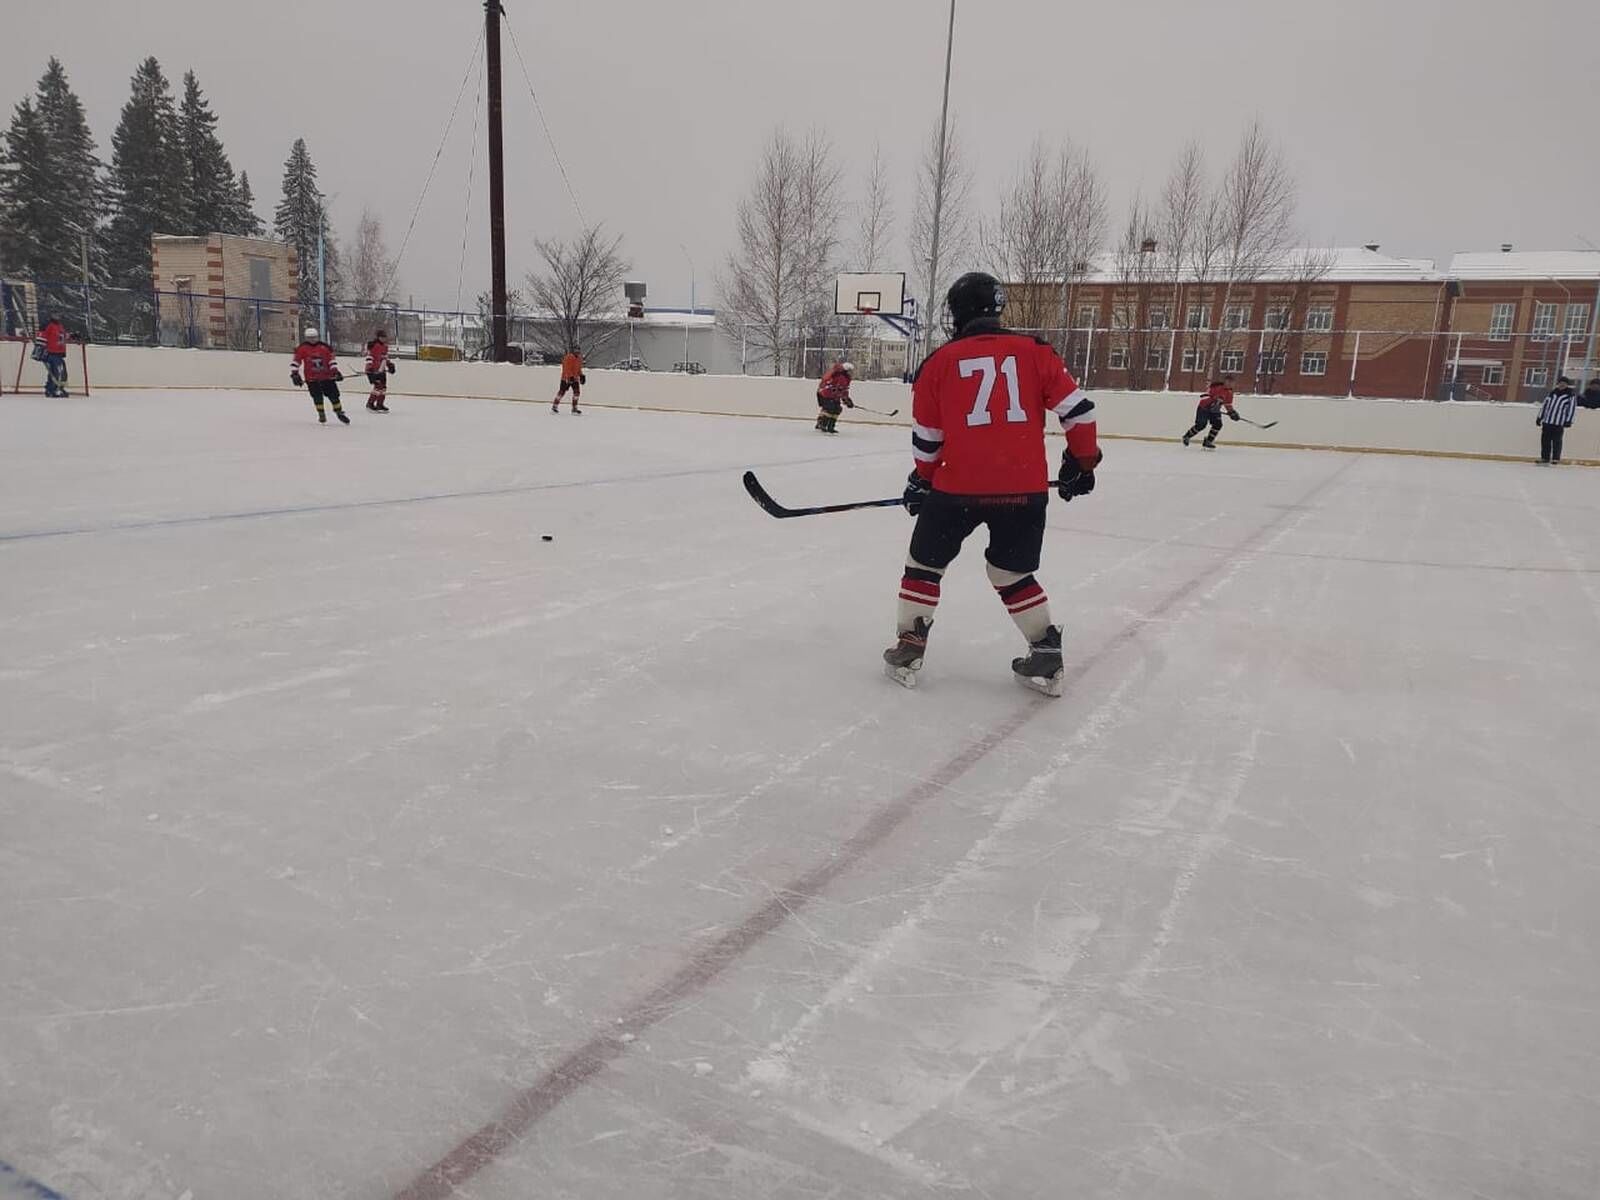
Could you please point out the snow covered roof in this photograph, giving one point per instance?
(1526, 264)
(1345, 264)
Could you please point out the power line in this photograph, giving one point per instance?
(548, 136)
(472, 168)
(416, 209)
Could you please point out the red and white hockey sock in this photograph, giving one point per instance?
(1025, 600)
(919, 595)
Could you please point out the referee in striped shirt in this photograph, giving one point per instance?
(1555, 417)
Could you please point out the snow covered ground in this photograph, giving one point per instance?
(356, 842)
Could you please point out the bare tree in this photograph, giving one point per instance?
(1288, 300)
(763, 281)
(1254, 211)
(1023, 244)
(1185, 203)
(874, 216)
(1138, 272)
(1082, 214)
(580, 287)
(371, 267)
(821, 207)
(944, 184)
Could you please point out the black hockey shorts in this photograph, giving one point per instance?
(378, 380)
(832, 407)
(1205, 415)
(565, 384)
(1016, 529)
(323, 389)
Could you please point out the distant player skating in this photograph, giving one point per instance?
(315, 368)
(833, 396)
(1217, 399)
(379, 367)
(572, 377)
(977, 435)
(50, 348)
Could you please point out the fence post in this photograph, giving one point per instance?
(1355, 358)
(1172, 349)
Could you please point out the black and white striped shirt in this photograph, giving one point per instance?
(1559, 408)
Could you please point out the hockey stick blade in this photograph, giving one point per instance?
(1258, 424)
(760, 496)
(878, 412)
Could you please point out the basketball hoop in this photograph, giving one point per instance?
(866, 310)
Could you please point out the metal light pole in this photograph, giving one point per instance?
(322, 271)
(492, 14)
(690, 261)
(88, 309)
(938, 181)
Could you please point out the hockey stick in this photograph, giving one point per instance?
(760, 496)
(1257, 424)
(877, 412)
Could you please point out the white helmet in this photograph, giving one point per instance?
(848, 368)
(311, 333)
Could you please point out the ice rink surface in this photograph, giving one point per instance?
(356, 843)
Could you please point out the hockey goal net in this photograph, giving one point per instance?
(20, 375)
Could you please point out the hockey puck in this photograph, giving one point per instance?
(545, 537)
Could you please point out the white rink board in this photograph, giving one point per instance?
(337, 809)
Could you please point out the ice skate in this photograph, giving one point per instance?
(1041, 669)
(1187, 437)
(343, 420)
(903, 660)
(1208, 444)
(322, 417)
(556, 408)
(576, 411)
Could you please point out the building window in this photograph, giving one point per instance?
(1155, 358)
(1117, 358)
(1195, 318)
(1319, 319)
(1158, 318)
(1271, 364)
(1500, 322)
(1544, 321)
(1088, 314)
(1232, 361)
(1535, 376)
(1277, 317)
(1314, 362)
(1194, 358)
(1577, 320)
(1077, 358)
(1494, 374)
(1237, 317)
(1122, 317)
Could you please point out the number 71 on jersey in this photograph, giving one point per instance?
(987, 368)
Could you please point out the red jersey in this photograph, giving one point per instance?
(1217, 397)
(977, 411)
(54, 338)
(377, 356)
(315, 362)
(571, 366)
(835, 384)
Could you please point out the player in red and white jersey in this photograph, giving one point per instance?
(833, 396)
(315, 368)
(1214, 401)
(977, 437)
(379, 367)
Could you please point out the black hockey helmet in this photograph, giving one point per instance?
(976, 294)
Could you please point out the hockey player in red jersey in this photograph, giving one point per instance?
(315, 368)
(977, 437)
(833, 396)
(1217, 399)
(379, 367)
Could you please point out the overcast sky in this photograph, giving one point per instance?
(1426, 125)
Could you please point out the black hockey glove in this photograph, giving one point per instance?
(1232, 416)
(582, 378)
(917, 489)
(294, 378)
(338, 376)
(849, 403)
(1074, 480)
(390, 366)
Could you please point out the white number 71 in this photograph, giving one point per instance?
(980, 414)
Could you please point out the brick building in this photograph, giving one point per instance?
(1519, 319)
(1344, 321)
(224, 292)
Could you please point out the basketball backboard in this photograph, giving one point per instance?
(881, 292)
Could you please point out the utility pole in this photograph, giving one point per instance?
(322, 271)
(493, 12)
(938, 182)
